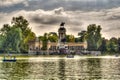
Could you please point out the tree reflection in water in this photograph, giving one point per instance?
(62, 69)
(14, 70)
(94, 68)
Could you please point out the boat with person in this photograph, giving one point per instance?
(70, 56)
(9, 59)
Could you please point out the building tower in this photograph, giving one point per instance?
(62, 36)
(62, 33)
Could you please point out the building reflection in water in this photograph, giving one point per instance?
(61, 73)
(62, 69)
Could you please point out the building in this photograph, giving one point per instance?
(52, 47)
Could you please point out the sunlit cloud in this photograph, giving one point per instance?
(46, 15)
(41, 21)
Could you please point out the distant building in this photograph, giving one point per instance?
(52, 47)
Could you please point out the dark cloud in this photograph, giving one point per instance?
(85, 5)
(72, 5)
(43, 21)
(52, 18)
(48, 19)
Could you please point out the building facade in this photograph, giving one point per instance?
(35, 47)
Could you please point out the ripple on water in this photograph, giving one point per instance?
(58, 68)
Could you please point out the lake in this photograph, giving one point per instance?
(61, 68)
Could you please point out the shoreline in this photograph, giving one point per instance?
(59, 56)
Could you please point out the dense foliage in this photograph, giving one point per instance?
(16, 37)
(95, 40)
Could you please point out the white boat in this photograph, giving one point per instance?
(70, 56)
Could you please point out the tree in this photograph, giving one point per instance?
(103, 46)
(2, 39)
(28, 35)
(20, 22)
(93, 37)
(70, 38)
(98, 38)
(45, 40)
(5, 29)
(20, 25)
(76, 39)
(13, 40)
(119, 44)
(53, 37)
(112, 45)
(82, 35)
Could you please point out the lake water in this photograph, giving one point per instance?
(58, 68)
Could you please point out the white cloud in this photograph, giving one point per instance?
(6, 3)
(26, 3)
(43, 21)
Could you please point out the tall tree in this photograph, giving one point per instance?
(28, 35)
(18, 23)
(13, 40)
(98, 38)
(93, 37)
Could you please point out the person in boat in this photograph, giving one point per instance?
(14, 57)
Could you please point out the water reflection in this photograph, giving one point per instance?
(94, 68)
(62, 69)
(14, 71)
(111, 69)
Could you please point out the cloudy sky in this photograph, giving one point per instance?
(46, 15)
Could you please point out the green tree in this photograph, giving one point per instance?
(13, 40)
(5, 29)
(103, 46)
(41, 38)
(53, 37)
(76, 39)
(70, 38)
(2, 39)
(82, 35)
(119, 44)
(28, 35)
(19, 23)
(98, 38)
(112, 45)
(45, 40)
(93, 37)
